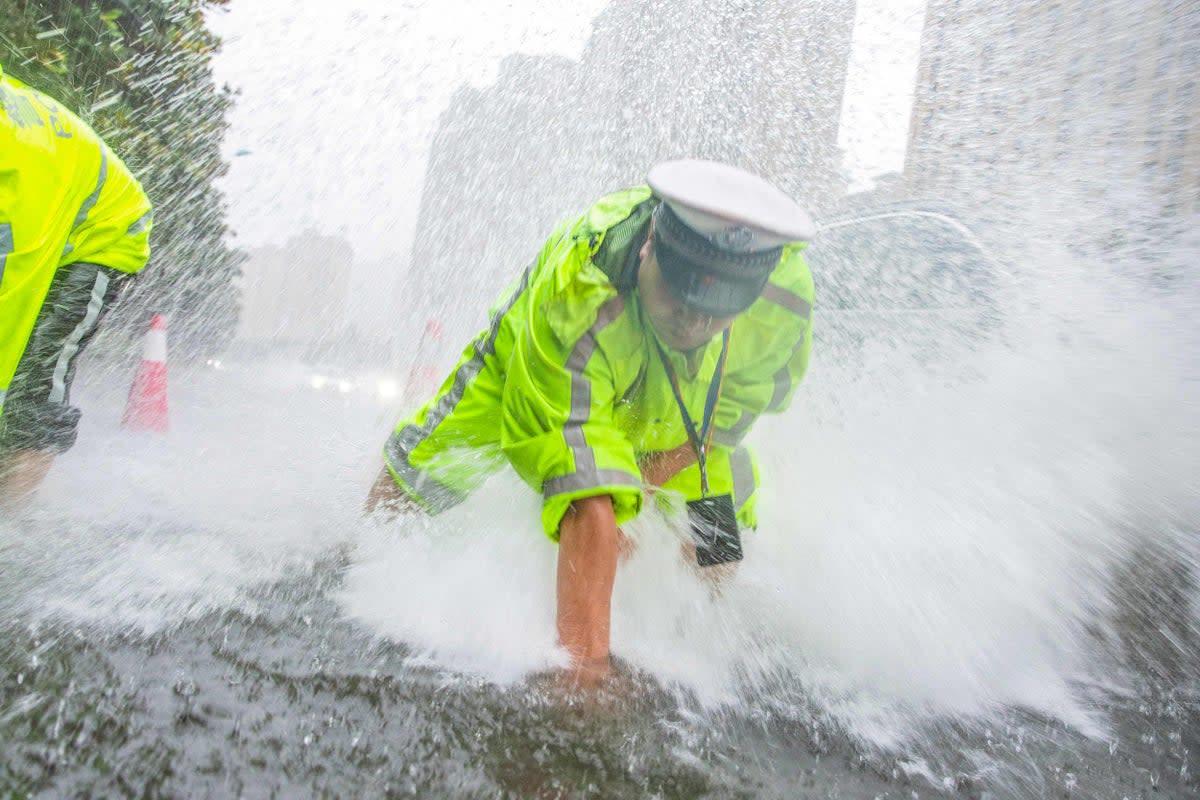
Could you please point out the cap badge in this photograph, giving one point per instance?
(737, 239)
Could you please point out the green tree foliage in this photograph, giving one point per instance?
(139, 71)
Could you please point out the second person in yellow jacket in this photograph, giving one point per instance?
(74, 224)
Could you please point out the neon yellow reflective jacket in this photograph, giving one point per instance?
(65, 197)
(566, 383)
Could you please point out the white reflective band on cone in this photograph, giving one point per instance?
(155, 348)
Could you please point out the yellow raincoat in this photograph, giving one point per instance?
(64, 198)
(567, 387)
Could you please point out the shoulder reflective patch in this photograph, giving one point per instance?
(783, 377)
(90, 201)
(789, 300)
(6, 246)
(141, 224)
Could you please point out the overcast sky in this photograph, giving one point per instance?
(338, 104)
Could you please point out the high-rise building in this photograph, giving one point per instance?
(296, 294)
(1059, 104)
(755, 84)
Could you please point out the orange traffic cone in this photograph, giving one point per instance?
(146, 409)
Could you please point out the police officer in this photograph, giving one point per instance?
(632, 357)
(74, 224)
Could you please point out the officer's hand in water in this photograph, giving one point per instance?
(386, 497)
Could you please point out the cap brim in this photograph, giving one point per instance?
(712, 197)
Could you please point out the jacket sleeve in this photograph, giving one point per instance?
(113, 226)
(557, 425)
(773, 341)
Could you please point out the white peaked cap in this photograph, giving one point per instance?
(733, 208)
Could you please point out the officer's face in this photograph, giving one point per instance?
(680, 327)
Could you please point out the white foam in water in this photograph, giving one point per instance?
(935, 538)
(952, 532)
(142, 531)
(472, 589)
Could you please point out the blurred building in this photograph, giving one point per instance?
(755, 84)
(1063, 104)
(297, 294)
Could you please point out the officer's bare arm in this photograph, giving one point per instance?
(588, 549)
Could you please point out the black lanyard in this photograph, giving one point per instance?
(702, 439)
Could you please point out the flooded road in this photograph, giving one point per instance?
(294, 701)
(210, 616)
(977, 573)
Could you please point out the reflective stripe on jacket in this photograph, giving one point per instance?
(568, 370)
(65, 197)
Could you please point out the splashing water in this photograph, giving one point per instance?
(975, 569)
